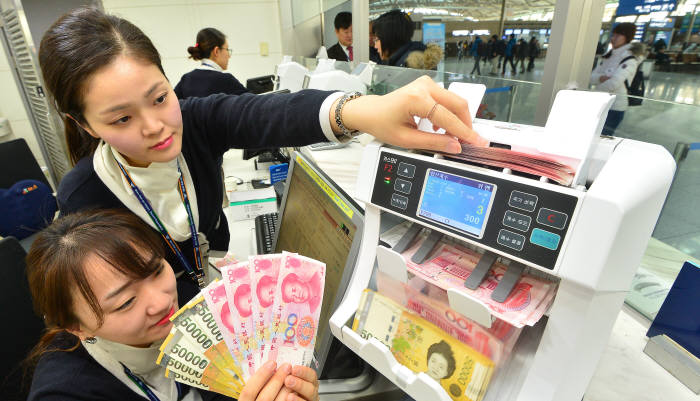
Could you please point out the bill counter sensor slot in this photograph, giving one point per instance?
(508, 281)
(426, 248)
(407, 239)
(481, 270)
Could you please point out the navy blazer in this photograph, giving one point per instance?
(337, 53)
(201, 83)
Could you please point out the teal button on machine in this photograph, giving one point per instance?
(545, 239)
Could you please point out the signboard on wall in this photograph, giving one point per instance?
(636, 7)
(434, 32)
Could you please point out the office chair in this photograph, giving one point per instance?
(22, 328)
(18, 163)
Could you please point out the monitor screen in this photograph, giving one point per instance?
(318, 220)
(455, 201)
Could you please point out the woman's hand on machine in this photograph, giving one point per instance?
(284, 384)
(390, 118)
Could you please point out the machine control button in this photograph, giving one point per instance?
(511, 240)
(399, 201)
(545, 239)
(522, 200)
(516, 220)
(406, 170)
(402, 186)
(552, 218)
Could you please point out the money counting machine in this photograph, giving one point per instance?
(588, 236)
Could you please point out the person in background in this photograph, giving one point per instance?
(100, 280)
(509, 54)
(211, 48)
(533, 52)
(500, 50)
(521, 51)
(394, 30)
(373, 53)
(492, 54)
(616, 70)
(342, 51)
(476, 51)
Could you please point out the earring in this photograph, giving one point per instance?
(90, 340)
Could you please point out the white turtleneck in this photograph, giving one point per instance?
(209, 64)
(158, 182)
(142, 363)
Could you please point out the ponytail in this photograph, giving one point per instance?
(207, 40)
(80, 143)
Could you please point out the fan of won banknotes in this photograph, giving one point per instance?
(265, 309)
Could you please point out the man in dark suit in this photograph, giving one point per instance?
(342, 51)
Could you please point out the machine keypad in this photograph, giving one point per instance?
(511, 240)
(545, 239)
(517, 221)
(523, 201)
(406, 170)
(552, 218)
(399, 201)
(402, 186)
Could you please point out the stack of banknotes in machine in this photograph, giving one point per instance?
(538, 165)
(429, 302)
(451, 264)
(265, 309)
(421, 346)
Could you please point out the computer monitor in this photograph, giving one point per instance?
(260, 85)
(319, 220)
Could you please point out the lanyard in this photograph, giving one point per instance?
(198, 274)
(149, 393)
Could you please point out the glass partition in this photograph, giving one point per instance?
(676, 237)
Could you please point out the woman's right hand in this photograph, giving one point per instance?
(267, 384)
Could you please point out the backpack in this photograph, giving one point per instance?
(637, 87)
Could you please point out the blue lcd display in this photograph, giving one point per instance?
(457, 202)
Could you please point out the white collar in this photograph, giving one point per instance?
(141, 362)
(209, 64)
(158, 182)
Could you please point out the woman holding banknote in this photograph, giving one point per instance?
(136, 147)
(106, 292)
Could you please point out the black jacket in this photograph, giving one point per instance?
(211, 126)
(202, 83)
(75, 375)
(337, 53)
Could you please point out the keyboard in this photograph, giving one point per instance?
(265, 225)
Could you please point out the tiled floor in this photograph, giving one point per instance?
(660, 122)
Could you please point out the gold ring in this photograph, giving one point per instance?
(430, 113)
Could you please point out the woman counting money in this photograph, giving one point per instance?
(136, 147)
(101, 281)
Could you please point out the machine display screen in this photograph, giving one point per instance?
(458, 202)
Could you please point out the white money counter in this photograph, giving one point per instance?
(588, 236)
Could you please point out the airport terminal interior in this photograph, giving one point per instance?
(561, 262)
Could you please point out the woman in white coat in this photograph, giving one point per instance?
(618, 66)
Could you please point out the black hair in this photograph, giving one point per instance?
(343, 20)
(445, 350)
(76, 46)
(626, 29)
(394, 29)
(207, 40)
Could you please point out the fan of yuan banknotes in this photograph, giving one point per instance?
(265, 309)
(421, 346)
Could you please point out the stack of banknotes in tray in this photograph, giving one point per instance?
(265, 309)
(452, 263)
(431, 303)
(423, 347)
(538, 165)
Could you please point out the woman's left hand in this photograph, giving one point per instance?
(390, 118)
(303, 383)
